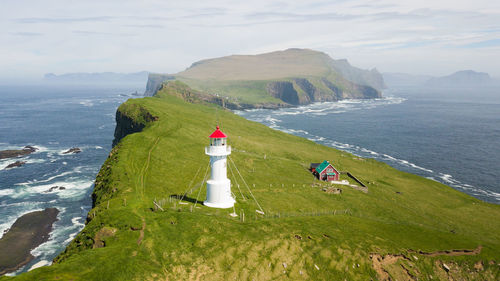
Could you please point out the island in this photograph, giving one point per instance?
(4, 154)
(278, 79)
(27, 233)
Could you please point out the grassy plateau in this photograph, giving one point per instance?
(404, 228)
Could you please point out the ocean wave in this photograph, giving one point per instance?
(61, 234)
(74, 188)
(40, 264)
(87, 103)
(6, 192)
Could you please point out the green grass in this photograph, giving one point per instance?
(208, 244)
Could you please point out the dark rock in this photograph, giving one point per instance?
(284, 91)
(73, 150)
(15, 164)
(27, 233)
(4, 154)
(126, 124)
(56, 188)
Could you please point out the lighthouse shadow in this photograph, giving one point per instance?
(183, 198)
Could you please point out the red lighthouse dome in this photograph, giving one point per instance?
(217, 134)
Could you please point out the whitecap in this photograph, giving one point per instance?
(87, 103)
(6, 192)
(40, 264)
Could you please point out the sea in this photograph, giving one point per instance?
(436, 135)
(54, 119)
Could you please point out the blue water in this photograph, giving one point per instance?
(452, 140)
(55, 119)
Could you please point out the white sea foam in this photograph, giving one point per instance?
(60, 235)
(40, 264)
(87, 103)
(6, 192)
(98, 147)
(74, 188)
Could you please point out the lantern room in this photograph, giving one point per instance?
(218, 138)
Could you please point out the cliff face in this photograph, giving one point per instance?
(130, 119)
(301, 91)
(371, 78)
(283, 78)
(284, 91)
(154, 83)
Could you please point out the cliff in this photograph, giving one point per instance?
(154, 83)
(283, 78)
(130, 119)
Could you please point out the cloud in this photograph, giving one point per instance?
(85, 32)
(482, 44)
(28, 34)
(167, 36)
(63, 20)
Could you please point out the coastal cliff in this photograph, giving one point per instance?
(283, 78)
(154, 83)
(130, 119)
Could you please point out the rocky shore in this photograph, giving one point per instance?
(27, 233)
(4, 154)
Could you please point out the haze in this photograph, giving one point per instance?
(418, 37)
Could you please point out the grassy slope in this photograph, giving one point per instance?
(179, 244)
(243, 78)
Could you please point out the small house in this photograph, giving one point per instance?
(324, 171)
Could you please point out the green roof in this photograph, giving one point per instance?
(322, 166)
(331, 174)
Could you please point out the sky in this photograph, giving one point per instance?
(433, 37)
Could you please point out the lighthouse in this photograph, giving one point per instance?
(218, 186)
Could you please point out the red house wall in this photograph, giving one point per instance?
(329, 178)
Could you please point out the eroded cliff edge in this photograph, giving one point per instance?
(278, 79)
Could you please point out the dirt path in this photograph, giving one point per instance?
(451, 252)
(141, 233)
(146, 166)
(380, 263)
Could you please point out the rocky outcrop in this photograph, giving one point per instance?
(155, 82)
(73, 150)
(371, 78)
(4, 154)
(284, 91)
(54, 188)
(15, 164)
(29, 231)
(131, 118)
(301, 91)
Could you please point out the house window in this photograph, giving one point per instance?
(329, 170)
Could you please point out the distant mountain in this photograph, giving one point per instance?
(99, 78)
(281, 78)
(461, 79)
(464, 79)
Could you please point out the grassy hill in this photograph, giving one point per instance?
(281, 78)
(405, 227)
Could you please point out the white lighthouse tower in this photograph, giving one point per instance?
(218, 186)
